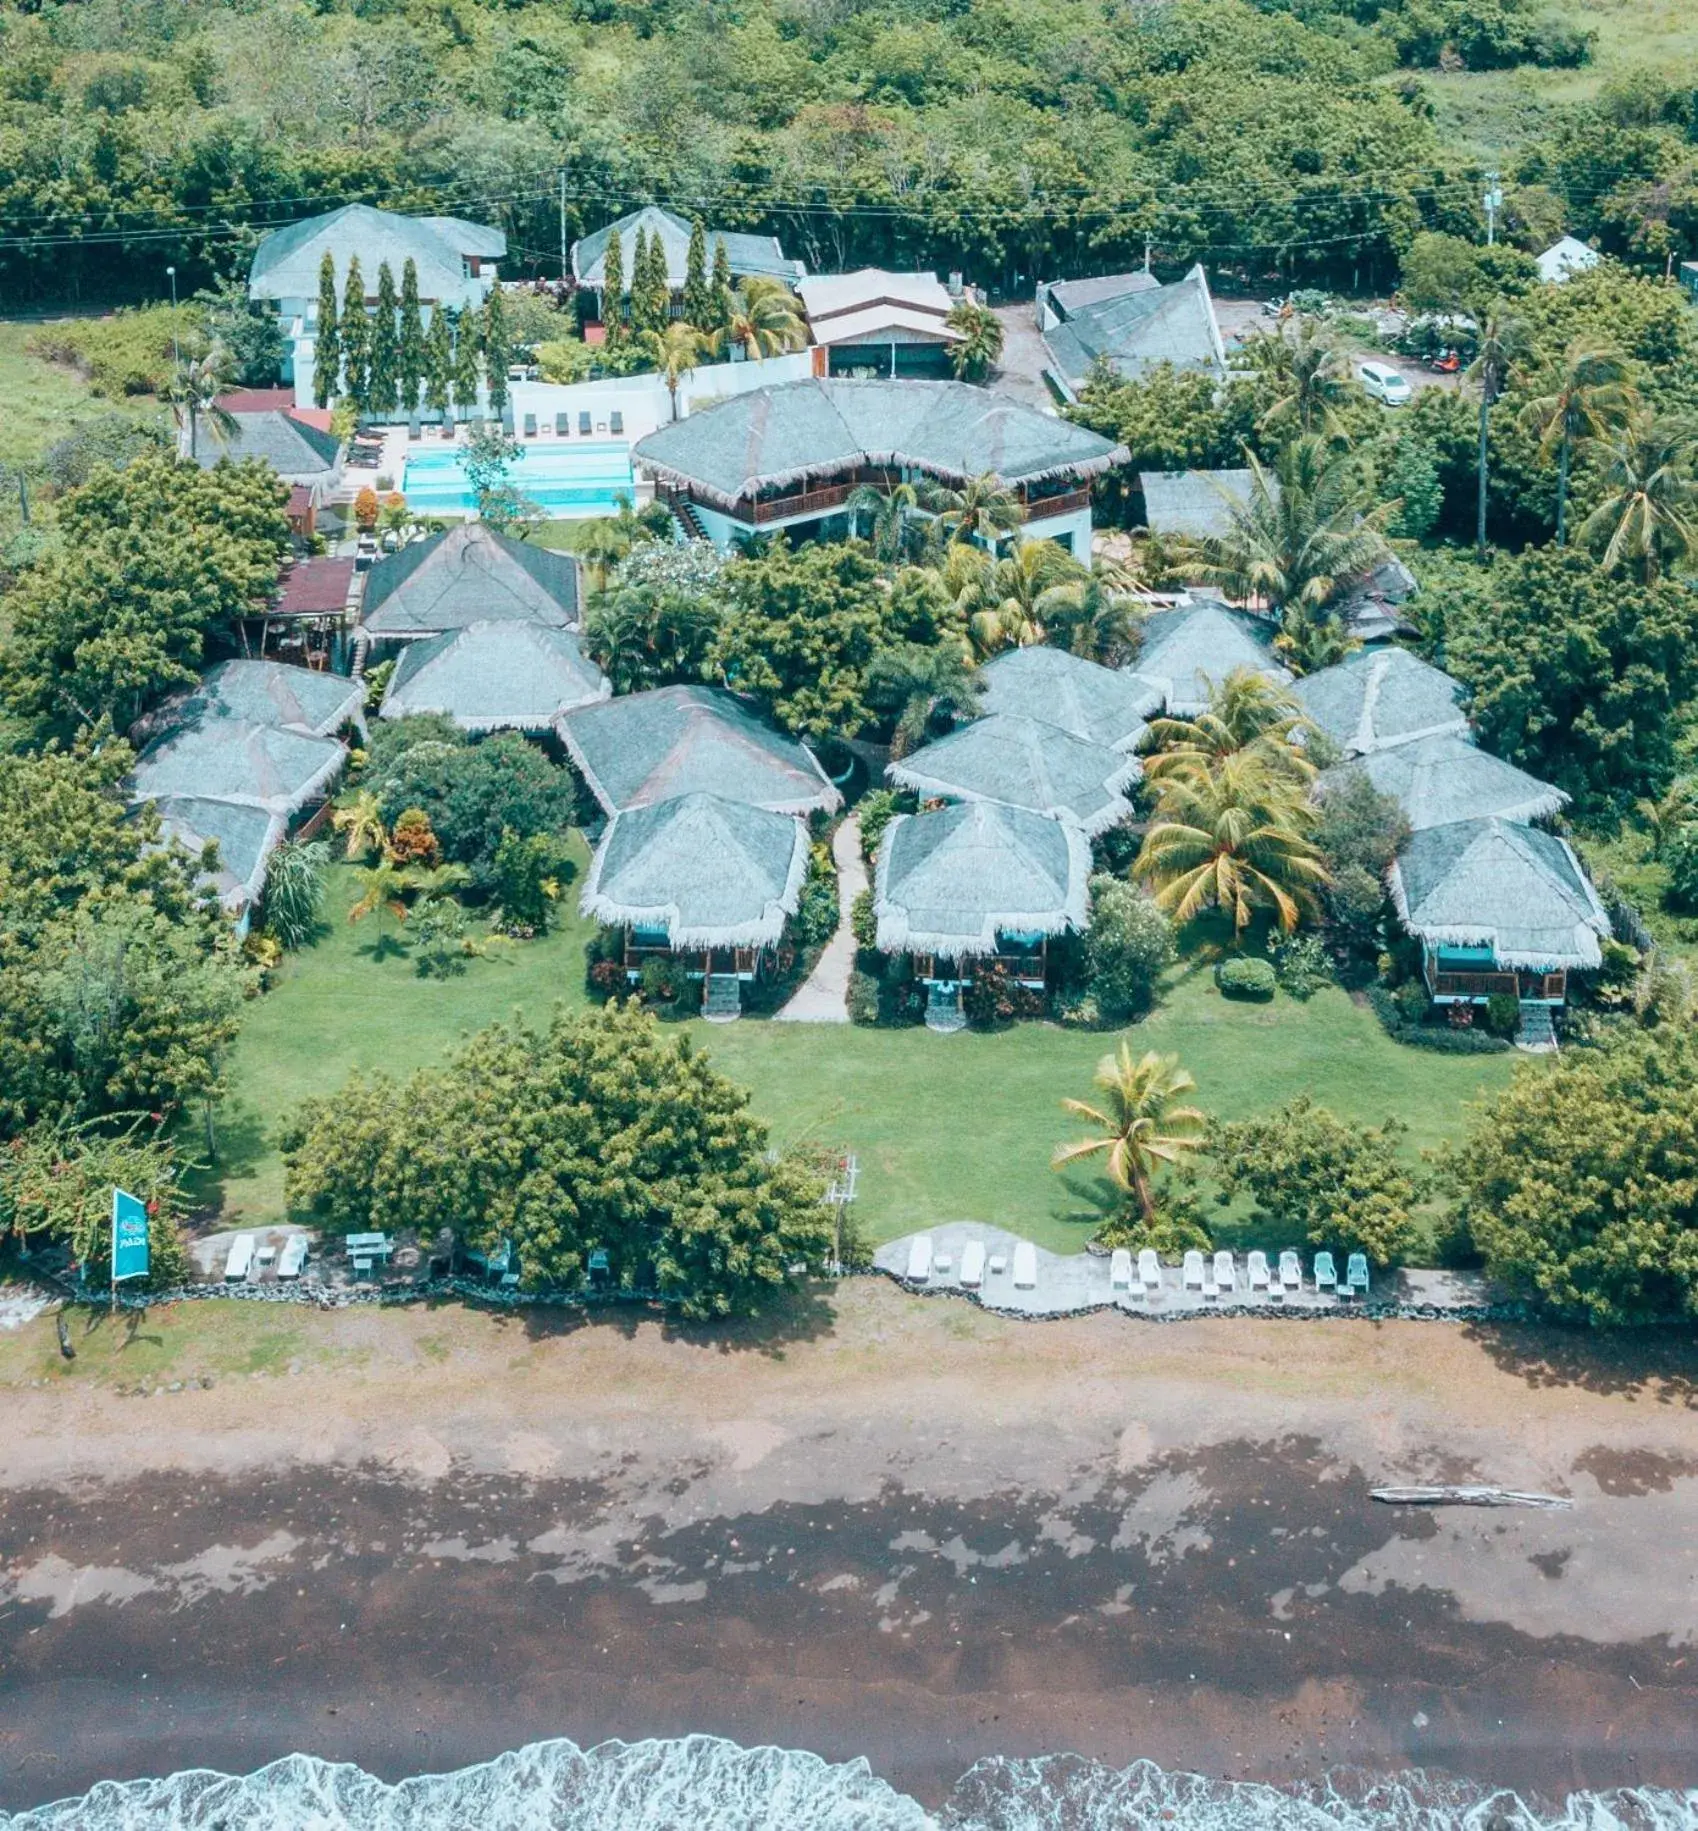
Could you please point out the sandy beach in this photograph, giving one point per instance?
(903, 1529)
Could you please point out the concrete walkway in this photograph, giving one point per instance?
(821, 998)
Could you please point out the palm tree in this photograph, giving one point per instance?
(1233, 837)
(193, 391)
(1665, 817)
(1141, 1123)
(360, 821)
(1502, 342)
(765, 320)
(922, 686)
(1587, 395)
(1311, 639)
(383, 887)
(1246, 712)
(1650, 508)
(674, 352)
(1010, 602)
(980, 337)
(1313, 373)
(889, 512)
(1302, 536)
(983, 510)
(431, 882)
(1096, 617)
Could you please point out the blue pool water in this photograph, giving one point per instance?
(564, 481)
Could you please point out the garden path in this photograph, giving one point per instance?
(822, 996)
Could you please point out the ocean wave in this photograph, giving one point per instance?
(701, 1783)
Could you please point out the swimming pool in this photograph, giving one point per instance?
(564, 481)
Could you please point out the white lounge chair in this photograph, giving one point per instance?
(973, 1264)
(1356, 1274)
(241, 1257)
(1025, 1266)
(1326, 1273)
(920, 1259)
(292, 1260)
(1290, 1273)
(1120, 1270)
(1149, 1271)
(1226, 1277)
(1258, 1264)
(1192, 1275)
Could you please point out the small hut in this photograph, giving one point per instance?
(1381, 698)
(1096, 703)
(1024, 763)
(702, 880)
(469, 575)
(1440, 780)
(1194, 646)
(495, 677)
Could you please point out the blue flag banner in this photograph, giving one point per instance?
(129, 1237)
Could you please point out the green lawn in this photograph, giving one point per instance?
(42, 400)
(945, 1128)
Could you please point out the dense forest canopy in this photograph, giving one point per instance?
(1289, 138)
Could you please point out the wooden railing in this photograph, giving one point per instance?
(1490, 985)
(808, 502)
(1043, 508)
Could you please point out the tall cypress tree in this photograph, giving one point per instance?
(658, 288)
(437, 364)
(640, 285)
(465, 361)
(327, 342)
(613, 289)
(356, 338)
(698, 301)
(410, 349)
(497, 348)
(381, 387)
(721, 309)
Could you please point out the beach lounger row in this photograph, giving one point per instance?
(976, 1264)
(1216, 1275)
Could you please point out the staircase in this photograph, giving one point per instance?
(943, 1010)
(1537, 1033)
(722, 998)
(684, 513)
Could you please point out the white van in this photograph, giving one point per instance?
(1386, 384)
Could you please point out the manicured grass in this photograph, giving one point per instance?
(945, 1128)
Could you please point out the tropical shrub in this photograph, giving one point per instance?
(525, 878)
(1680, 857)
(439, 931)
(1240, 978)
(1503, 1014)
(863, 997)
(1400, 1015)
(411, 840)
(1126, 947)
(995, 996)
(1300, 965)
(876, 811)
(294, 891)
(815, 921)
(863, 921)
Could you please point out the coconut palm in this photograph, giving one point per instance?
(888, 513)
(1010, 602)
(1141, 1122)
(675, 352)
(1246, 712)
(1587, 395)
(1312, 373)
(1649, 513)
(983, 510)
(383, 886)
(192, 392)
(1095, 617)
(1233, 837)
(920, 687)
(1302, 535)
(1503, 342)
(360, 822)
(765, 320)
(1311, 639)
(980, 337)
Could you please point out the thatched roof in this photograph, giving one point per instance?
(1192, 646)
(469, 575)
(1493, 883)
(1022, 762)
(1098, 703)
(1193, 504)
(1137, 329)
(495, 676)
(790, 434)
(1438, 780)
(246, 838)
(286, 262)
(711, 873)
(295, 449)
(228, 759)
(649, 747)
(748, 254)
(1380, 698)
(267, 693)
(949, 881)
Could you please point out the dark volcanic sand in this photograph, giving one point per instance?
(916, 1538)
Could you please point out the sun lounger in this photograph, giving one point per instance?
(293, 1257)
(1226, 1278)
(1192, 1275)
(1258, 1272)
(973, 1264)
(1120, 1270)
(920, 1259)
(1326, 1273)
(1149, 1271)
(241, 1257)
(1356, 1274)
(1290, 1273)
(1025, 1266)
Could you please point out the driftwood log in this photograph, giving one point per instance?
(1468, 1497)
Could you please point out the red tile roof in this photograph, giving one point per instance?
(258, 400)
(315, 588)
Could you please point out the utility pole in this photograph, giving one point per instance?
(1493, 200)
(1148, 244)
(176, 353)
(563, 222)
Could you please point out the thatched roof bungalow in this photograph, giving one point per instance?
(649, 747)
(495, 677)
(1024, 763)
(234, 760)
(1099, 704)
(1381, 698)
(267, 693)
(1193, 646)
(1193, 504)
(469, 575)
(245, 836)
(1440, 780)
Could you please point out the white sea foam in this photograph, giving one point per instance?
(700, 1783)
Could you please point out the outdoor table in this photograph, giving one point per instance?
(368, 1245)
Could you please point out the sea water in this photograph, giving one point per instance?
(700, 1783)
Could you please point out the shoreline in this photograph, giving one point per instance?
(919, 1533)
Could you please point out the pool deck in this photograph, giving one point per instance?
(1069, 1284)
